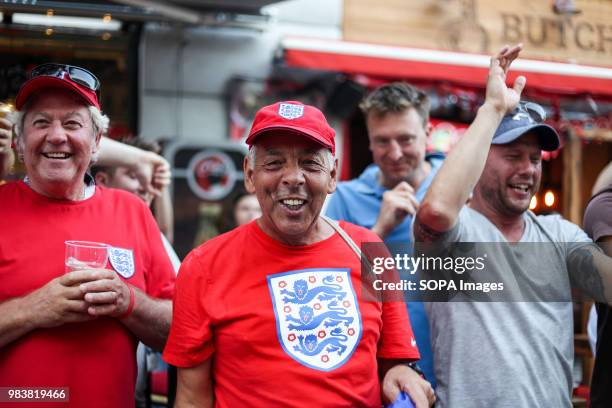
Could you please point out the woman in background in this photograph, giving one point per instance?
(245, 208)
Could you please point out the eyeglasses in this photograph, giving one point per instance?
(77, 74)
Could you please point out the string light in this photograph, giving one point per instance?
(533, 204)
(549, 198)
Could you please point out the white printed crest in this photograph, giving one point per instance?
(318, 322)
(122, 261)
(290, 110)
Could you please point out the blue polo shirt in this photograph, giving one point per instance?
(358, 201)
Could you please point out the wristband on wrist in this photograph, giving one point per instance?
(415, 368)
(130, 308)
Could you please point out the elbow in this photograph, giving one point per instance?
(435, 216)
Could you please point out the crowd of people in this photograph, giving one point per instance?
(272, 312)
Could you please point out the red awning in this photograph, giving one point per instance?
(428, 65)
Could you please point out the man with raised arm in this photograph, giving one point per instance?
(511, 354)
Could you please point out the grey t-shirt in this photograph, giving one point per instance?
(506, 354)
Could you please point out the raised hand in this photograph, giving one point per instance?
(498, 95)
(397, 204)
(162, 175)
(153, 171)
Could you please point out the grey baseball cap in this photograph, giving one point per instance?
(527, 117)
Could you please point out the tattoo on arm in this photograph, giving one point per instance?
(584, 273)
(423, 233)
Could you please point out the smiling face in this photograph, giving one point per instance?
(57, 143)
(124, 179)
(246, 209)
(398, 142)
(511, 176)
(291, 179)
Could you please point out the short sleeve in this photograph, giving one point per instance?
(397, 340)
(598, 216)
(574, 239)
(190, 341)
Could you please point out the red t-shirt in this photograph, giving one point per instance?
(96, 359)
(282, 323)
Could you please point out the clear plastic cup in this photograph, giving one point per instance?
(85, 255)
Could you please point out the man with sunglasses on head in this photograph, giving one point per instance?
(512, 348)
(385, 197)
(74, 330)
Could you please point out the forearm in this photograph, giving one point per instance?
(195, 387)
(591, 270)
(385, 364)
(460, 172)
(164, 215)
(150, 320)
(14, 320)
(183, 402)
(117, 154)
(204, 399)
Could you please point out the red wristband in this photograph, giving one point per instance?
(130, 308)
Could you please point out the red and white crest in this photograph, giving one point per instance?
(317, 316)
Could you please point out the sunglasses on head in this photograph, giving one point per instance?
(77, 74)
(535, 111)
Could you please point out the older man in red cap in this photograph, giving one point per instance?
(270, 314)
(69, 338)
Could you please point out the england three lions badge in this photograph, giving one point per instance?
(291, 110)
(122, 261)
(318, 322)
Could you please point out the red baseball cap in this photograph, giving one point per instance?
(295, 117)
(60, 79)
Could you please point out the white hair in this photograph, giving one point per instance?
(328, 158)
(99, 122)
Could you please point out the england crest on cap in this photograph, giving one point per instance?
(122, 261)
(290, 110)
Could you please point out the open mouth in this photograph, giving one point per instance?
(57, 155)
(293, 204)
(520, 188)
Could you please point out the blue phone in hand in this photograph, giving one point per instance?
(402, 401)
